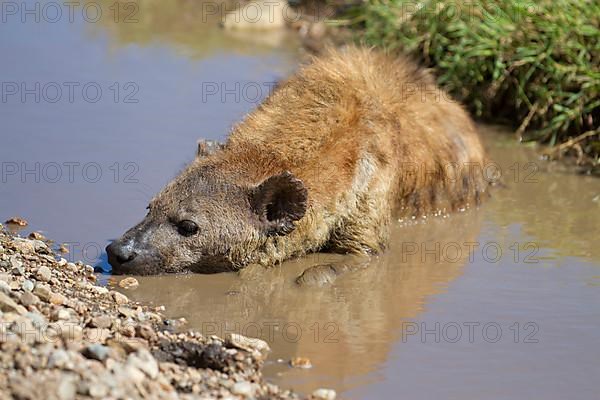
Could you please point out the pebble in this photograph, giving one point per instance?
(133, 374)
(66, 330)
(98, 344)
(58, 358)
(324, 394)
(43, 291)
(38, 319)
(26, 330)
(243, 389)
(16, 221)
(101, 290)
(145, 332)
(57, 299)
(8, 305)
(101, 321)
(36, 236)
(27, 285)
(67, 390)
(301, 362)
(16, 263)
(246, 343)
(96, 352)
(129, 283)
(145, 362)
(98, 390)
(44, 274)
(119, 298)
(97, 335)
(27, 299)
(4, 287)
(63, 314)
(25, 246)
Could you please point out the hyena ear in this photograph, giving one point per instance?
(279, 201)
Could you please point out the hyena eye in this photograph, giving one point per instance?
(187, 227)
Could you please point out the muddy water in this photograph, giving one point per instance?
(500, 302)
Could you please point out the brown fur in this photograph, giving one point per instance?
(365, 137)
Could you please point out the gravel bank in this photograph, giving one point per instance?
(64, 337)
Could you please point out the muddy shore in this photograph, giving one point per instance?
(62, 336)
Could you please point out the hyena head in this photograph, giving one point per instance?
(203, 222)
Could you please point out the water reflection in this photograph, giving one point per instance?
(345, 330)
(189, 26)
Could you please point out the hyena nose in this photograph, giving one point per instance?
(119, 253)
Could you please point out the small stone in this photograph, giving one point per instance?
(127, 312)
(101, 321)
(96, 352)
(248, 344)
(145, 362)
(4, 287)
(98, 390)
(44, 274)
(16, 264)
(18, 221)
(25, 246)
(38, 319)
(324, 394)
(301, 362)
(127, 331)
(101, 290)
(67, 390)
(57, 299)
(119, 298)
(97, 335)
(43, 292)
(63, 249)
(26, 330)
(129, 283)
(27, 285)
(243, 389)
(8, 305)
(58, 358)
(36, 236)
(63, 314)
(66, 330)
(27, 299)
(145, 332)
(128, 345)
(133, 374)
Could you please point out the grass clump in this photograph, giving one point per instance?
(536, 64)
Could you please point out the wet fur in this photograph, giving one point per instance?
(355, 131)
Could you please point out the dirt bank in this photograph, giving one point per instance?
(64, 337)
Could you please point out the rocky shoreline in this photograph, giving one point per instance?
(64, 337)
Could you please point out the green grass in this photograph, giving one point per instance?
(535, 64)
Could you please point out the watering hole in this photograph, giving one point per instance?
(496, 302)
